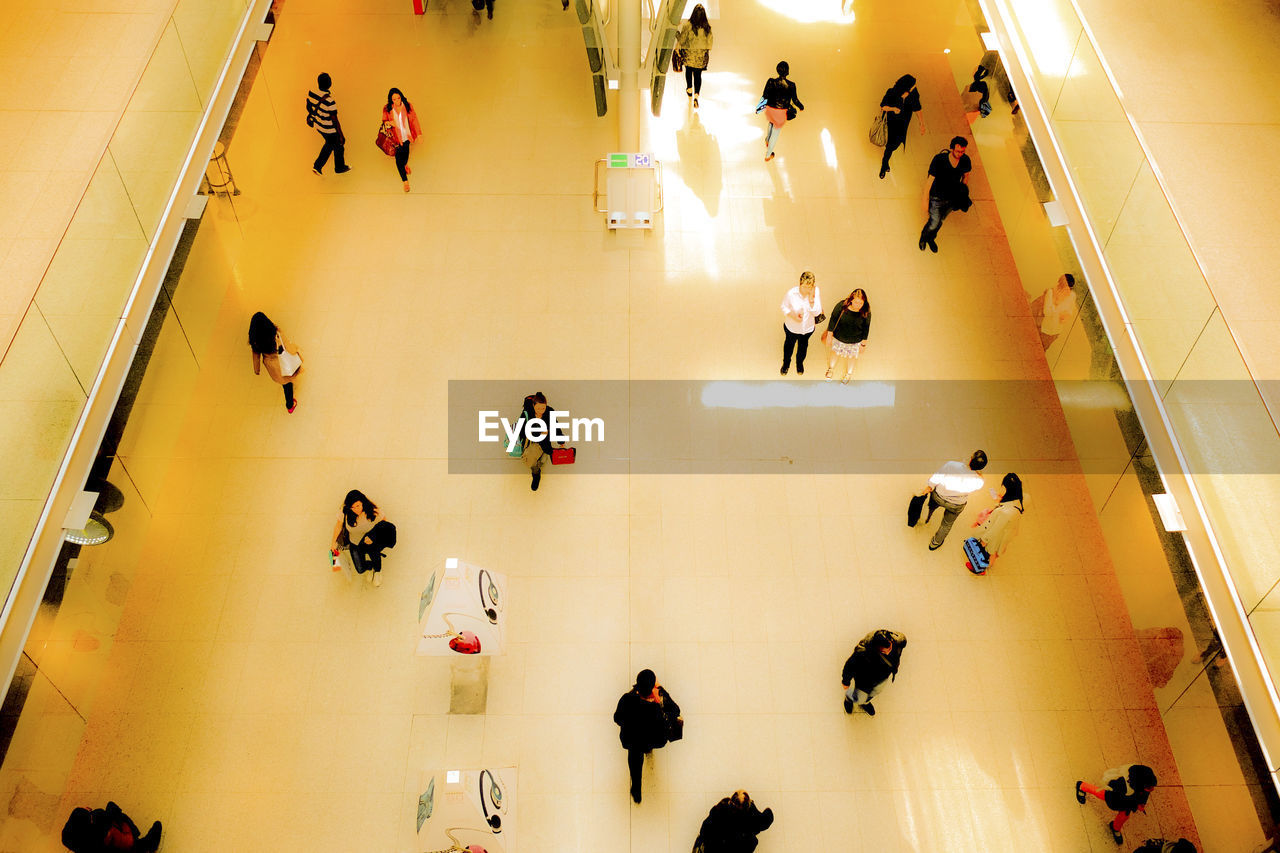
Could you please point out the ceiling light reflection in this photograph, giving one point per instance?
(813, 11)
(829, 149)
(795, 395)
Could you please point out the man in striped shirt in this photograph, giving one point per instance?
(322, 114)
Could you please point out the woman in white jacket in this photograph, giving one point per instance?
(997, 526)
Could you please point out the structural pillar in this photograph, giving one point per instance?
(629, 24)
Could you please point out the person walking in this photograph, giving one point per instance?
(780, 105)
(900, 102)
(997, 526)
(801, 312)
(645, 716)
(322, 114)
(873, 664)
(109, 829)
(947, 190)
(1057, 305)
(399, 118)
(732, 825)
(1125, 790)
(271, 349)
(355, 531)
(847, 330)
(949, 489)
(694, 42)
(535, 420)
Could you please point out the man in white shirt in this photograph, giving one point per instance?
(949, 488)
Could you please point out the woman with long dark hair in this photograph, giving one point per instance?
(354, 532)
(847, 330)
(780, 105)
(272, 350)
(398, 116)
(900, 101)
(997, 526)
(694, 42)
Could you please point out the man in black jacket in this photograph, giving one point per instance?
(645, 714)
(874, 663)
(732, 826)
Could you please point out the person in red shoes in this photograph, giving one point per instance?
(1125, 790)
(403, 121)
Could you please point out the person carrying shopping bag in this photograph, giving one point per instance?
(272, 350)
(399, 128)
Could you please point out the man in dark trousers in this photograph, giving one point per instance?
(645, 714)
(948, 172)
(732, 826)
(873, 664)
(322, 114)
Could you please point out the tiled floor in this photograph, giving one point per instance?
(253, 700)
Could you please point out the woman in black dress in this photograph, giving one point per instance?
(899, 102)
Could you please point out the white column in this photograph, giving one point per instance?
(628, 74)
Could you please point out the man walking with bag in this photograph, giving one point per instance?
(947, 190)
(949, 489)
(647, 717)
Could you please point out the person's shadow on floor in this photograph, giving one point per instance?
(700, 164)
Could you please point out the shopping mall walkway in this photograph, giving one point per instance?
(254, 701)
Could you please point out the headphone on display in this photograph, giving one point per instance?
(489, 596)
(494, 796)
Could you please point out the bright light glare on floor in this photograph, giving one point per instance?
(793, 395)
(813, 11)
(829, 149)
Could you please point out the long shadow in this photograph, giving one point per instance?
(701, 170)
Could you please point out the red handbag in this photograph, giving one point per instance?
(386, 140)
(563, 455)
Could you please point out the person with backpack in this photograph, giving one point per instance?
(780, 104)
(873, 664)
(1125, 790)
(646, 716)
(732, 826)
(106, 830)
(694, 43)
(322, 114)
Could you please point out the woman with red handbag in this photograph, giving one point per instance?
(399, 128)
(535, 415)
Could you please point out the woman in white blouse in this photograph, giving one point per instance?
(403, 121)
(801, 311)
(1058, 304)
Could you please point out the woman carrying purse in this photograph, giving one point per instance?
(847, 330)
(400, 124)
(271, 349)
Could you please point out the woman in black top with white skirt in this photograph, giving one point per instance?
(847, 330)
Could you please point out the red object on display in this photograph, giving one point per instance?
(419, 6)
(466, 643)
